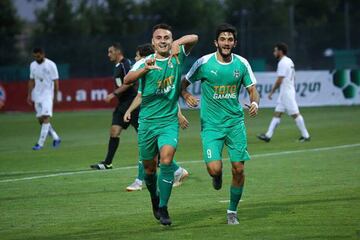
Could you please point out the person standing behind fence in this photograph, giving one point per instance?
(286, 101)
(43, 88)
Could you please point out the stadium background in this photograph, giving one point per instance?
(295, 191)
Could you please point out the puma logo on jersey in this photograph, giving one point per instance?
(170, 182)
(214, 72)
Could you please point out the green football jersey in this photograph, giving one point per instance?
(160, 89)
(220, 87)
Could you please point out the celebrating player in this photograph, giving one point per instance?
(222, 74)
(125, 94)
(180, 174)
(286, 101)
(160, 75)
(42, 92)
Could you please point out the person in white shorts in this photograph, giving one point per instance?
(286, 101)
(42, 92)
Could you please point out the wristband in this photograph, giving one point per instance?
(255, 103)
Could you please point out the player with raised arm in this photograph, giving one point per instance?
(160, 75)
(222, 74)
(125, 95)
(180, 174)
(287, 98)
(43, 88)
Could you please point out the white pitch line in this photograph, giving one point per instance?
(195, 161)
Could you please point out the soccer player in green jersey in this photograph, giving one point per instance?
(222, 74)
(160, 75)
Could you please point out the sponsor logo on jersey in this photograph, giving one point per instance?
(224, 92)
(165, 86)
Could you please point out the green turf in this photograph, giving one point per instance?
(310, 194)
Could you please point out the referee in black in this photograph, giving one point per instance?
(125, 95)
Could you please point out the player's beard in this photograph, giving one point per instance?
(224, 55)
(40, 61)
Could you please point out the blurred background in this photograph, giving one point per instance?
(321, 34)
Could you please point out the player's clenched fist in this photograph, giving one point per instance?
(127, 116)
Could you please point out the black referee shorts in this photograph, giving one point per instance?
(118, 117)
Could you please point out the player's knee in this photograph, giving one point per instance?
(45, 119)
(238, 170)
(277, 114)
(166, 160)
(115, 131)
(294, 116)
(214, 171)
(149, 167)
(167, 155)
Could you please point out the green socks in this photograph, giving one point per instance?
(150, 181)
(175, 165)
(166, 180)
(141, 171)
(235, 196)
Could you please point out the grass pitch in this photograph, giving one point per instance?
(293, 190)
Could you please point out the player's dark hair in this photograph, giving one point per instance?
(162, 26)
(38, 50)
(117, 46)
(225, 27)
(282, 47)
(145, 49)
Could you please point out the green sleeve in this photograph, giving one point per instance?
(138, 65)
(182, 54)
(194, 73)
(140, 88)
(249, 77)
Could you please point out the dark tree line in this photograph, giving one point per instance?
(78, 32)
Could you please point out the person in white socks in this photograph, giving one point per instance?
(286, 101)
(42, 92)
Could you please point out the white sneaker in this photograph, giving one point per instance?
(179, 176)
(232, 218)
(135, 186)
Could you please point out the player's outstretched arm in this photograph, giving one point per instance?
(31, 86)
(276, 86)
(135, 104)
(133, 76)
(254, 100)
(190, 100)
(188, 41)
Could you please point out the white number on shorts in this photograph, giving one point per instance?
(208, 152)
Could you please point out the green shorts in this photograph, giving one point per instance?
(151, 138)
(213, 140)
